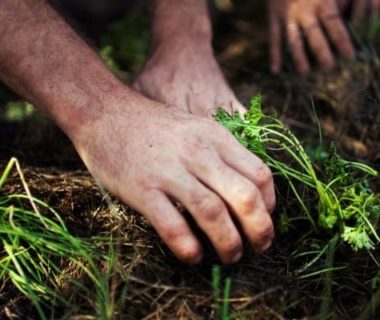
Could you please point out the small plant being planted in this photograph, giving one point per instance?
(334, 194)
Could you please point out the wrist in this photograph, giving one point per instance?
(123, 105)
(76, 114)
(174, 20)
(198, 30)
(185, 44)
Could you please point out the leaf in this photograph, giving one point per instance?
(327, 219)
(357, 238)
(255, 113)
(234, 123)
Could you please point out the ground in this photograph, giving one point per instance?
(272, 286)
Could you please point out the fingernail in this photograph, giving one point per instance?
(266, 246)
(237, 257)
(197, 260)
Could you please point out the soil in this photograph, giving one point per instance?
(346, 101)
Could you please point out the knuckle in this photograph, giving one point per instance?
(211, 208)
(272, 203)
(266, 231)
(193, 145)
(215, 126)
(233, 247)
(143, 183)
(208, 124)
(219, 130)
(220, 133)
(249, 199)
(190, 253)
(263, 176)
(148, 181)
(173, 232)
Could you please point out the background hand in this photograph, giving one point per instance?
(185, 73)
(311, 18)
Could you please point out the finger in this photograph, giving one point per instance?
(339, 35)
(243, 197)
(171, 226)
(253, 168)
(297, 48)
(210, 214)
(275, 40)
(318, 43)
(230, 104)
(375, 8)
(343, 6)
(358, 11)
(240, 108)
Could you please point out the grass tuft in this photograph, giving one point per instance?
(37, 248)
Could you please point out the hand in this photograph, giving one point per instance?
(184, 73)
(360, 8)
(141, 151)
(309, 17)
(146, 153)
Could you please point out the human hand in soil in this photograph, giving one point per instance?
(144, 152)
(148, 154)
(309, 18)
(182, 69)
(360, 9)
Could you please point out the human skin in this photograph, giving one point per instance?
(182, 69)
(320, 21)
(142, 151)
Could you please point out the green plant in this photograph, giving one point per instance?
(344, 203)
(221, 294)
(126, 42)
(36, 248)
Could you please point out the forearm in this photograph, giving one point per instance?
(43, 59)
(174, 19)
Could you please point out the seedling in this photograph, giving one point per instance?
(345, 203)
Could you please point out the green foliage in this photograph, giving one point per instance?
(34, 247)
(126, 42)
(106, 53)
(368, 29)
(17, 111)
(345, 204)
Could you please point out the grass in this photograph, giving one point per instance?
(38, 251)
(221, 294)
(56, 270)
